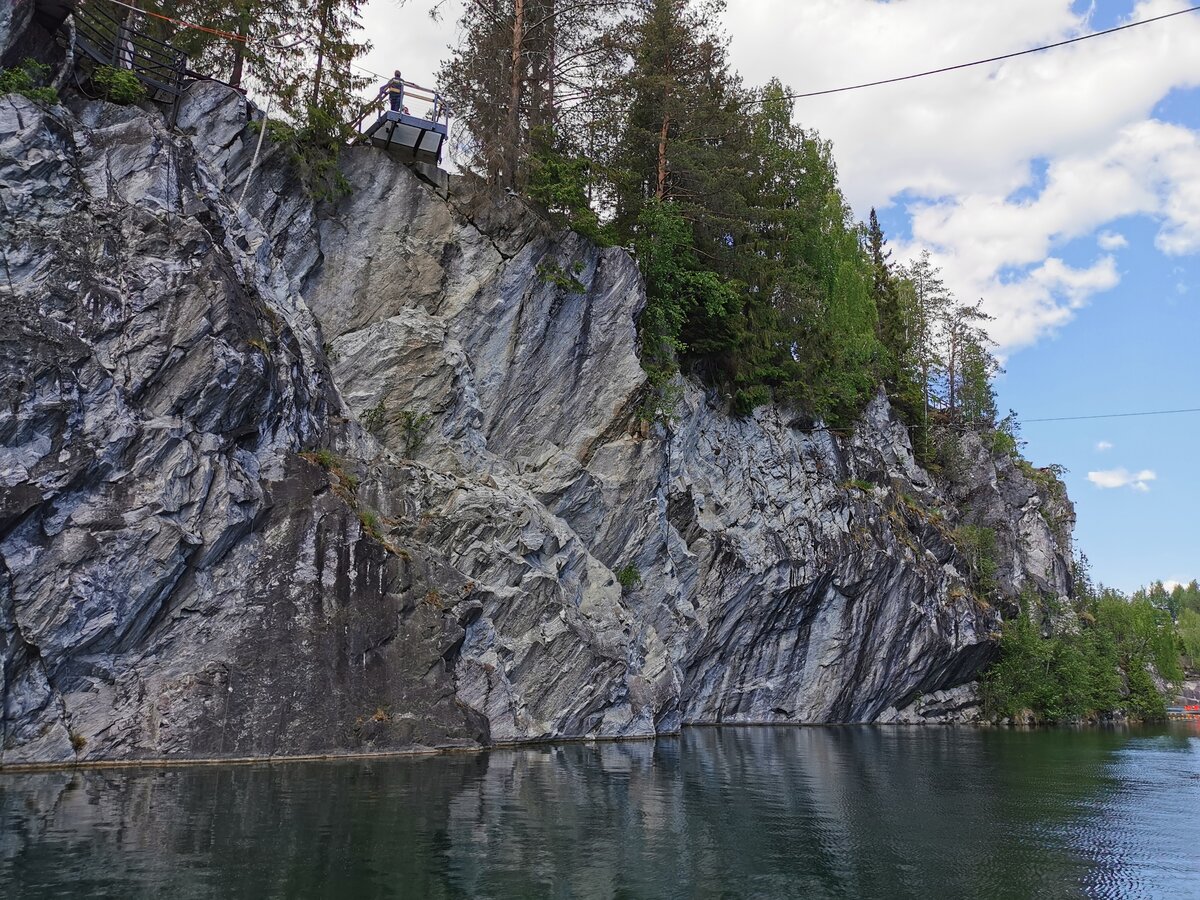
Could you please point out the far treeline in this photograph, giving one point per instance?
(1100, 658)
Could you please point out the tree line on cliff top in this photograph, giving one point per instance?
(625, 121)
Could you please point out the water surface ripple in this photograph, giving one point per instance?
(716, 812)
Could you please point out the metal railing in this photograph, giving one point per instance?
(381, 103)
(112, 41)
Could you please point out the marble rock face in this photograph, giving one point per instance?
(279, 478)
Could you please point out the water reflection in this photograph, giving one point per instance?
(746, 812)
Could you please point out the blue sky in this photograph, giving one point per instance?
(1062, 187)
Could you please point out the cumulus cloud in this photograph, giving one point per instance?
(1101, 446)
(1111, 479)
(1111, 240)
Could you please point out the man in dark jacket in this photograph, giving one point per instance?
(395, 91)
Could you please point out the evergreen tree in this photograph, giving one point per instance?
(526, 77)
(969, 367)
(895, 305)
(684, 109)
(297, 53)
(931, 301)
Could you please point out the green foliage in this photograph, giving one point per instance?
(278, 131)
(1100, 667)
(29, 79)
(560, 182)
(313, 148)
(628, 576)
(414, 426)
(118, 85)
(1179, 598)
(858, 484)
(978, 545)
(1189, 635)
(552, 273)
(1004, 439)
(626, 123)
(375, 418)
(371, 523)
(325, 459)
(678, 289)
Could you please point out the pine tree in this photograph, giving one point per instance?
(970, 366)
(930, 303)
(684, 112)
(520, 68)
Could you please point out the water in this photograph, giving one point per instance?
(733, 812)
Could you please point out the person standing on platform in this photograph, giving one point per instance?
(395, 91)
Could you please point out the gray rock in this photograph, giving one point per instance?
(278, 479)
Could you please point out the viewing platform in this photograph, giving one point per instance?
(417, 140)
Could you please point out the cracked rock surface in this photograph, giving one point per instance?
(281, 480)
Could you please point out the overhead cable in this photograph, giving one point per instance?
(1126, 415)
(992, 59)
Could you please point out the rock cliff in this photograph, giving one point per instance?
(281, 480)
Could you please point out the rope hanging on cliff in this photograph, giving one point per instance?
(257, 149)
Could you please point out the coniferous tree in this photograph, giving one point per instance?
(684, 117)
(931, 301)
(970, 367)
(296, 53)
(522, 67)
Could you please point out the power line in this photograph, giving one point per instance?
(992, 59)
(1127, 415)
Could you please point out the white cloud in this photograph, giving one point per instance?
(1118, 478)
(1111, 240)
(1101, 446)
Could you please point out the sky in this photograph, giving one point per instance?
(1062, 187)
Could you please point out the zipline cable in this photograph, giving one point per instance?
(981, 62)
(1127, 415)
(207, 30)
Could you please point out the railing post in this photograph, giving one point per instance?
(116, 53)
(179, 66)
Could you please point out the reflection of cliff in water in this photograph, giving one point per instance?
(715, 812)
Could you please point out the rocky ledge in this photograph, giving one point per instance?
(280, 480)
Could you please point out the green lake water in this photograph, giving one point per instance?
(716, 812)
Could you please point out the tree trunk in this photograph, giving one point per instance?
(951, 360)
(660, 190)
(239, 47)
(551, 47)
(316, 89)
(513, 129)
